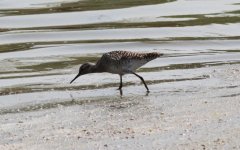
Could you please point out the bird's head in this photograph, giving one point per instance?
(84, 69)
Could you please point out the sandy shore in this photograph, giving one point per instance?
(181, 115)
(195, 87)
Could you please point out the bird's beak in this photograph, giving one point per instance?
(75, 78)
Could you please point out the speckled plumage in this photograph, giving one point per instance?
(119, 55)
(119, 62)
(123, 62)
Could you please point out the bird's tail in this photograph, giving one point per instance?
(153, 55)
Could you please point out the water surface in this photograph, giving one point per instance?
(42, 44)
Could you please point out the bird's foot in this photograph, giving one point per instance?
(121, 93)
(147, 92)
(120, 88)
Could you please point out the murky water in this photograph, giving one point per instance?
(43, 42)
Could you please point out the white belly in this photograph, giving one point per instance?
(133, 65)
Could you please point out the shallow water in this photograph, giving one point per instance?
(42, 44)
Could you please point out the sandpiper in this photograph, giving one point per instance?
(119, 62)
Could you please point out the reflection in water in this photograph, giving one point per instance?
(12, 7)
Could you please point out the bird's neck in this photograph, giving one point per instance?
(95, 69)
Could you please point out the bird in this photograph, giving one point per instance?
(119, 62)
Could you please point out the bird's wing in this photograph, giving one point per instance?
(125, 60)
(119, 55)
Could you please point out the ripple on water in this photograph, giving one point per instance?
(42, 44)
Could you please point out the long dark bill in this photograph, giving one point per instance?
(75, 78)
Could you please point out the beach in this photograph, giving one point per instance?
(194, 95)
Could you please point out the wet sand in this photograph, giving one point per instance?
(194, 98)
(175, 115)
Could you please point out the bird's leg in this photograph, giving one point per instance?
(121, 93)
(120, 86)
(141, 80)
